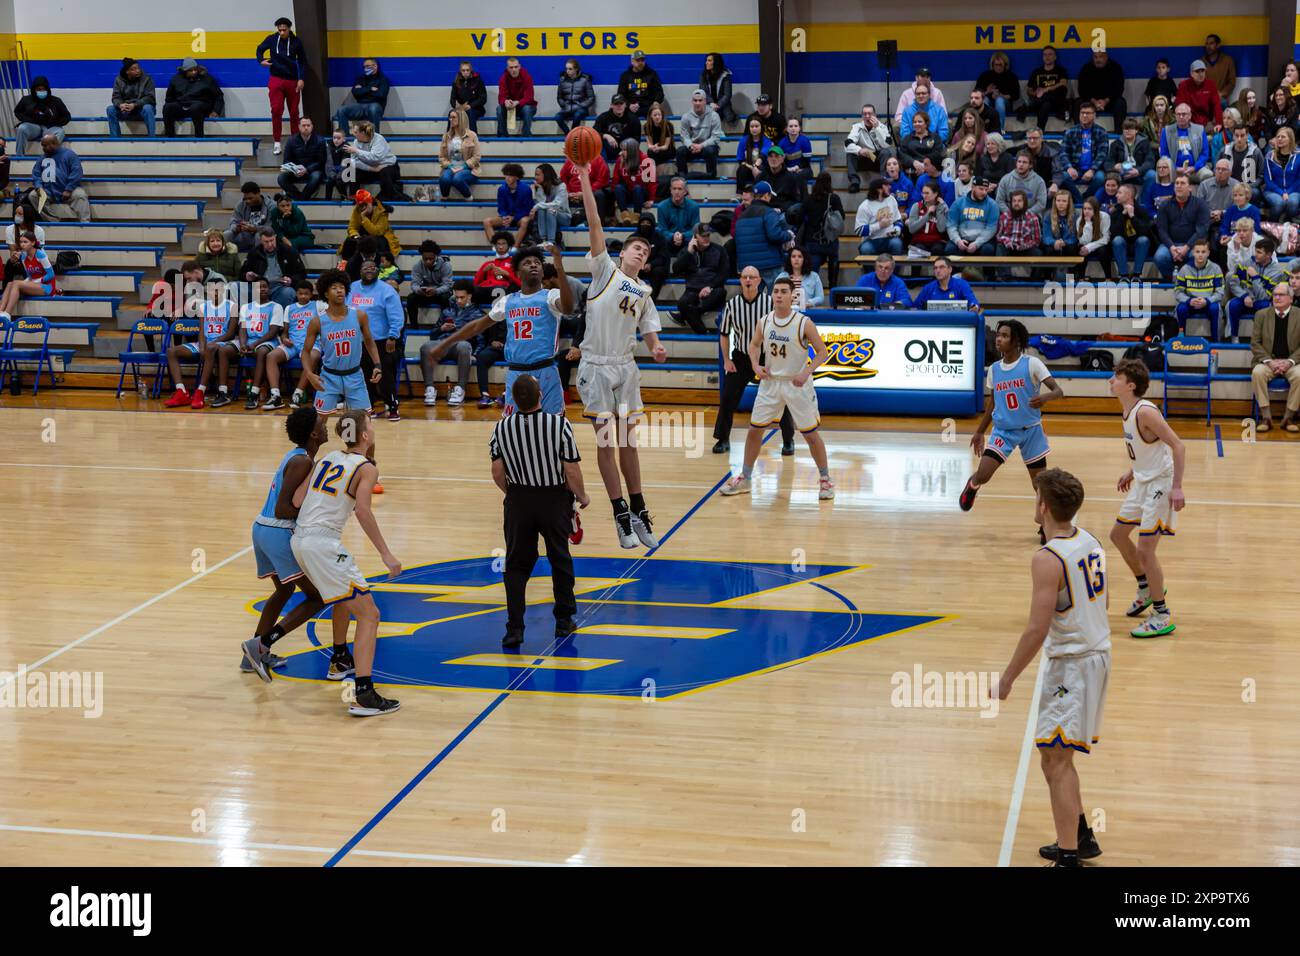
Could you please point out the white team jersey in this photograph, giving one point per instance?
(616, 307)
(1151, 460)
(328, 502)
(1080, 625)
(785, 351)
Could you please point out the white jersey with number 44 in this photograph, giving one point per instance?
(617, 306)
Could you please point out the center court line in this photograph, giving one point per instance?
(1022, 773)
(131, 613)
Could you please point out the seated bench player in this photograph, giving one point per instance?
(294, 335)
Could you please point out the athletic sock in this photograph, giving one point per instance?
(201, 388)
(825, 473)
(1142, 582)
(222, 389)
(747, 471)
(253, 389)
(638, 503)
(277, 632)
(1160, 607)
(275, 393)
(181, 389)
(620, 506)
(341, 652)
(364, 685)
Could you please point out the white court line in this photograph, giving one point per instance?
(131, 613)
(1022, 772)
(286, 847)
(1192, 503)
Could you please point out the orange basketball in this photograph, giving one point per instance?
(582, 145)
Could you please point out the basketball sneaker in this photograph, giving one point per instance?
(967, 499)
(273, 403)
(1088, 848)
(736, 485)
(297, 400)
(252, 401)
(575, 535)
(787, 449)
(372, 704)
(197, 400)
(485, 400)
(179, 397)
(456, 396)
(826, 490)
(341, 668)
(623, 525)
(1141, 602)
(1157, 625)
(430, 396)
(641, 525)
(222, 399)
(394, 415)
(256, 658)
(272, 660)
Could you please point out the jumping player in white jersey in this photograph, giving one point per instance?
(618, 304)
(1155, 494)
(783, 338)
(1067, 621)
(339, 485)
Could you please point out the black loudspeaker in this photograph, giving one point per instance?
(887, 54)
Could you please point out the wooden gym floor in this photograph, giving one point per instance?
(128, 556)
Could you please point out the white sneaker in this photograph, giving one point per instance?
(276, 149)
(623, 525)
(642, 528)
(456, 396)
(1140, 603)
(826, 490)
(1156, 625)
(430, 395)
(736, 485)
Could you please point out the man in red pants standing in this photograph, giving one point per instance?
(282, 52)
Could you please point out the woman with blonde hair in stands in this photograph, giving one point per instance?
(217, 254)
(964, 152)
(458, 154)
(1158, 116)
(970, 124)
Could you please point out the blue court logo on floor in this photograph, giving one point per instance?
(647, 627)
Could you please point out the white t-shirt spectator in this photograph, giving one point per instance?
(11, 234)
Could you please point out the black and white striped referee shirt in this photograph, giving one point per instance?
(534, 446)
(739, 318)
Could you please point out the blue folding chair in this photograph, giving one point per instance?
(1186, 376)
(134, 358)
(35, 348)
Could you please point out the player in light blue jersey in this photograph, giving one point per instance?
(214, 350)
(1015, 409)
(296, 319)
(532, 317)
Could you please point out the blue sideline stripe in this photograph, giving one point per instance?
(1218, 440)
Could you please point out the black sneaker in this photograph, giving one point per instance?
(1088, 848)
(371, 704)
(788, 449)
(512, 639)
(275, 402)
(855, 185)
(722, 447)
(341, 668)
(223, 398)
(252, 401)
(564, 626)
(967, 499)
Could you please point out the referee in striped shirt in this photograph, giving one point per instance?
(735, 330)
(535, 462)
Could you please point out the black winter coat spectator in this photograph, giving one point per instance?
(641, 88)
(471, 93)
(50, 111)
(310, 154)
(914, 148)
(201, 91)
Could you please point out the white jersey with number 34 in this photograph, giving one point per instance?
(785, 350)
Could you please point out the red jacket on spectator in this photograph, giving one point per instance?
(645, 176)
(599, 173)
(485, 278)
(1203, 98)
(518, 88)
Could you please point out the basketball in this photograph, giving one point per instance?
(582, 145)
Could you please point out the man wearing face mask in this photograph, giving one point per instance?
(657, 264)
(370, 93)
(193, 94)
(38, 114)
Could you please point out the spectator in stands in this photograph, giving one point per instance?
(282, 52)
(336, 159)
(369, 218)
(218, 255)
(900, 184)
(787, 187)
(1216, 193)
(1252, 117)
(374, 162)
(1161, 189)
(660, 143)
(969, 124)
(248, 216)
(908, 98)
(1023, 178)
(821, 226)
(601, 186)
(1275, 350)
(946, 287)
(640, 85)
(1020, 230)
(931, 174)
(808, 290)
(924, 106)
(1186, 144)
(1254, 275)
(704, 264)
(496, 276)
(290, 224)
(276, 261)
(490, 350)
(1198, 289)
(715, 81)
(514, 206)
(304, 162)
(38, 114)
(515, 100)
(1179, 223)
(1282, 177)
(797, 148)
(38, 276)
(457, 313)
(431, 282)
(634, 182)
(961, 155)
(1048, 88)
(458, 156)
(1000, 86)
(550, 203)
(927, 220)
(1220, 68)
(997, 161)
(1281, 113)
(879, 221)
(193, 94)
(1162, 84)
(1083, 152)
(677, 216)
(469, 93)
(918, 144)
(133, 98)
(1109, 193)
(1291, 77)
(361, 250)
(761, 235)
(615, 125)
(701, 132)
(973, 222)
(1092, 229)
(1059, 235)
(1130, 233)
(1101, 83)
(773, 122)
(383, 308)
(1201, 97)
(659, 263)
(987, 114)
(890, 291)
(1221, 141)
(575, 97)
(1130, 155)
(59, 174)
(1158, 116)
(1241, 208)
(865, 147)
(369, 96)
(961, 184)
(751, 155)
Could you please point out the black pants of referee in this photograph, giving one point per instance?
(530, 512)
(391, 365)
(733, 389)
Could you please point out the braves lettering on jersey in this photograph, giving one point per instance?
(1080, 624)
(617, 306)
(267, 515)
(1151, 460)
(1012, 387)
(785, 352)
(216, 319)
(340, 340)
(329, 501)
(257, 319)
(297, 318)
(532, 325)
